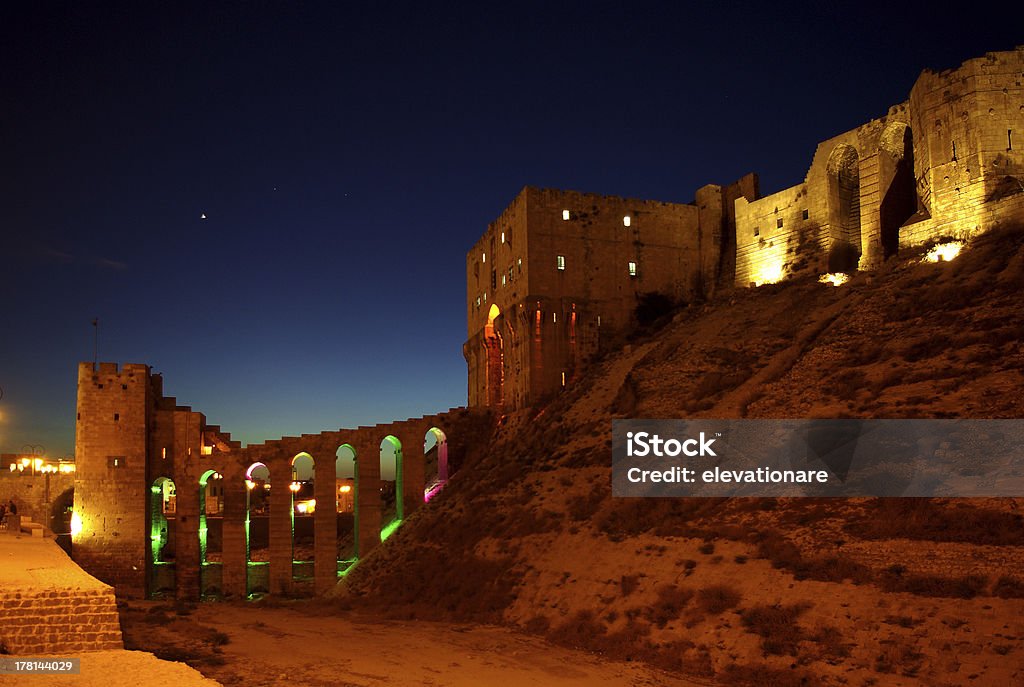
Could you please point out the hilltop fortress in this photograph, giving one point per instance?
(560, 272)
(165, 503)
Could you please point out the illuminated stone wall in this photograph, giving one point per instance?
(562, 271)
(945, 163)
(111, 430)
(153, 438)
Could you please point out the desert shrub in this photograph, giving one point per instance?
(966, 587)
(929, 520)
(898, 656)
(669, 605)
(785, 555)
(829, 640)
(628, 584)
(777, 626)
(718, 598)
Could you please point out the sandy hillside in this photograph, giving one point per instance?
(901, 592)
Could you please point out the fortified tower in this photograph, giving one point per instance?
(132, 445)
(560, 272)
(115, 409)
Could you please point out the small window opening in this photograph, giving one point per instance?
(626, 221)
(757, 231)
(632, 269)
(484, 258)
(563, 379)
(1009, 139)
(554, 317)
(560, 262)
(565, 215)
(117, 416)
(503, 237)
(806, 214)
(778, 223)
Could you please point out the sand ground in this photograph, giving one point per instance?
(281, 646)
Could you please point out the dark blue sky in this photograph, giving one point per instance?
(347, 156)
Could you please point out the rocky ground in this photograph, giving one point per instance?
(751, 591)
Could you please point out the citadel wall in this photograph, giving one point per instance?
(943, 164)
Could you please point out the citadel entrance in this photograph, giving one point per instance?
(495, 361)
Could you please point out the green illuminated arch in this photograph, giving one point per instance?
(391, 466)
(301, 491)
(346, 500)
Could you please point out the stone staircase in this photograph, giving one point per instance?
(48, 605)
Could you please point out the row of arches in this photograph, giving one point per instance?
(303, 508)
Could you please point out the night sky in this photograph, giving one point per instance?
(346, 156)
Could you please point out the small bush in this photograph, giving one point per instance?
(718, 598)
(777, 626)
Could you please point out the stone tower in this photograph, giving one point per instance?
(111, 451)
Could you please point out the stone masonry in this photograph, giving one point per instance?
(130, 439)
(559, 274)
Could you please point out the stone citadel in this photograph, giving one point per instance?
(559, 274)
(166, 503)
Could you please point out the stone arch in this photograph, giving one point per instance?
(346, 505)
(435, 459)
(60, 518)
(257, 528)
(162, 527)
(495, 367)
(303, 505)
(211, 532)
(896, 184)
(843, 172)
(392, 483)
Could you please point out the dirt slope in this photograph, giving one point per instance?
(901, 592)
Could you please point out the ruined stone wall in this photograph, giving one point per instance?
(35, 495)
(111, 446)
(943, 164)
(831, 221)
